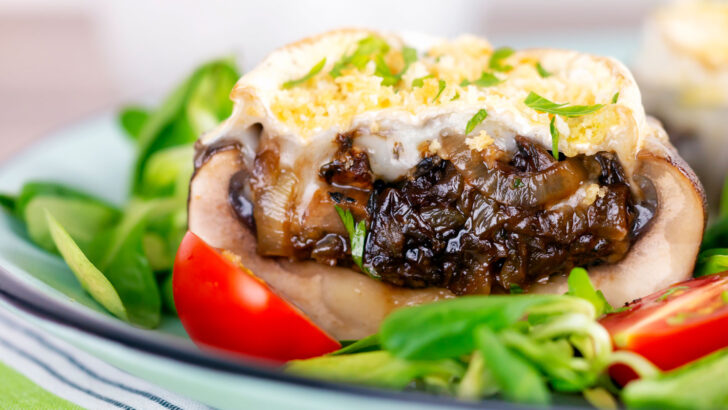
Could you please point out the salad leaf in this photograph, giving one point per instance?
(155, 249)
(7, 202)
(516, 346)
(196, 106)
(81, 218)
(712, 261)
(376, 368)
(168, 294)
(600, 398)
(132, 120)
(33, 189)
(542, 104)
(581, 286)
(91, 279)
(517, 379)
(696, 385)
(554, 358)
(478, 381)
(445, 329)
(119, 254)
(314, 70)
(366, 344)
(716, 236)
(168, 171)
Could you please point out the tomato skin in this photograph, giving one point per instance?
(674, 326)
(223, 305)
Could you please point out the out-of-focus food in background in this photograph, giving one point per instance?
(682, 69)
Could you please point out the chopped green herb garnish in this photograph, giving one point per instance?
(441, 87)
(515, 289)
(542, 104)
(615, 97)
(409, 55)
(311, 73)
(554, 138)
(382, 70)
(496, 60)
(670, 291)
(677, 319)
(357, 238)
(456, 96)
(477, 119)
(518, 183)
(419, 82)
(542, 71)
(486, 80)
(361, 56)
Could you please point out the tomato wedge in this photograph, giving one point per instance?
(223, 305)
(674, 326)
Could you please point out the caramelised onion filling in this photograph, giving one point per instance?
(472, 222)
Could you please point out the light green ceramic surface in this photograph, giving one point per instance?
(95, 157)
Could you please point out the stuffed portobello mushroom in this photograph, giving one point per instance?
(357, 175)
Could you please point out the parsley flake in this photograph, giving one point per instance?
(361, 56)
(477, 119)
(554, 138)
(486, 80)
(542, 71)
(615, 97)
(542, 104)
(456, 96)
(314, 70)
(670, 291)
(496, 60)
(419, 82)
(441, 87)
(677, 319)
(357, 238)
(518, 183)
(382, 70)
(409, 55)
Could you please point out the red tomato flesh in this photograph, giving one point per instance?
(223, 305)
(674, 326)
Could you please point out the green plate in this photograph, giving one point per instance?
(38, 286)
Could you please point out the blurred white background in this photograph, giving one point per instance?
(63, 60)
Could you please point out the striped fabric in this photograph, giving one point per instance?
(74, 375)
